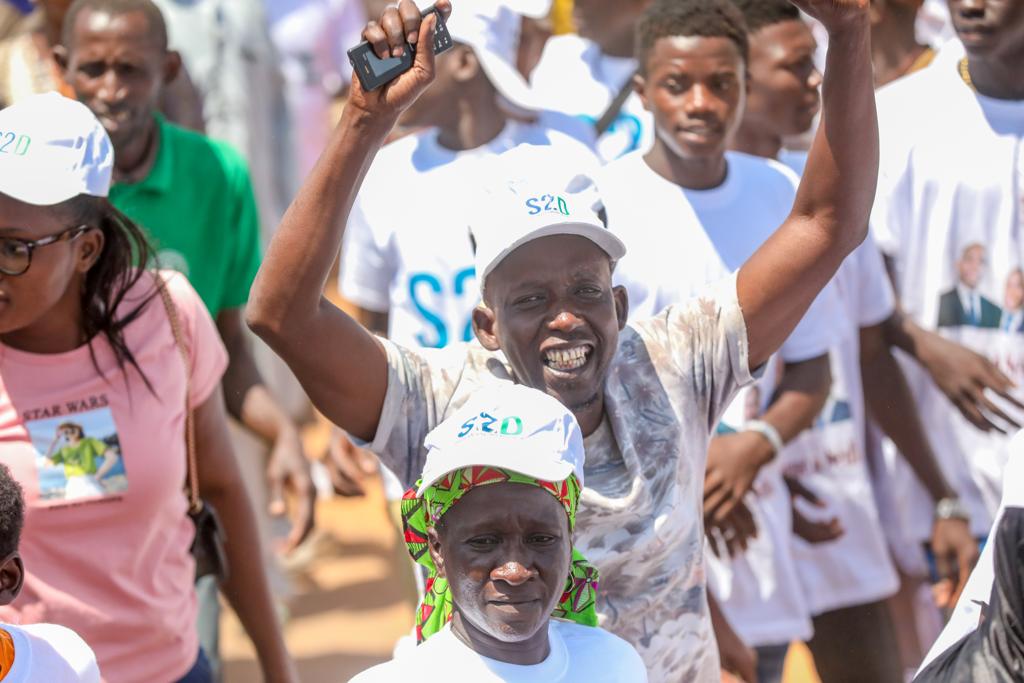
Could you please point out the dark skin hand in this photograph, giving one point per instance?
(775, 287)
(892, 407)
(732, 535)
(960, 373)
(808, 529)
(735, 459)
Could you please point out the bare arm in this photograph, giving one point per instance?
(342, 367)
(246, 588)
(374, 321)
(830, 214)
(892, 407)
(250, 402)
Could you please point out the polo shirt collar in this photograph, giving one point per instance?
(161, 176)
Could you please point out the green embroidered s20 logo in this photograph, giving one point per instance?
(21, 143)
(485, 422)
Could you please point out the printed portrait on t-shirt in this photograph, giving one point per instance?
(78, 456)
(1013, 303)
(965, 304)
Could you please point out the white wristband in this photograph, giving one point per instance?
(767, 431)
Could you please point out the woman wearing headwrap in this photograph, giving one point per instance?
(507, 596)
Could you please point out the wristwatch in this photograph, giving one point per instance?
(951, 508)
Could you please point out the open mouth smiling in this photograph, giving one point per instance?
(567, 359)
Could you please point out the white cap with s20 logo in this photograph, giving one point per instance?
(509, 426)
(528, 202)
(53, 149)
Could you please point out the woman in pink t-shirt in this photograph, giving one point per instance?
(93, 391)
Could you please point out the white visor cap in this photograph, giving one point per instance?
(509, 426)
(53, 149)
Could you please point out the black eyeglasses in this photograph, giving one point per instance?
(16, 254)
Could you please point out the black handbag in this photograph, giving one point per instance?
(208, 544)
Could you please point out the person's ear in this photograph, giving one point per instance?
(466, 66)
(172, 66)
(61, 56)
(639, 85)
(90, 246)
(486, 328)
(12, 577)
(434, 548)
(621, 297)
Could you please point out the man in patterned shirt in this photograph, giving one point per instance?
(646, 395)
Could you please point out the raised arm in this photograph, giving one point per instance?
(341, 366)
(830, 214)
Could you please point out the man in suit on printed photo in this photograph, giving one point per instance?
(1013, 302)
(964, 304)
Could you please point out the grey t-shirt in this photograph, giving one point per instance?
(671, 377)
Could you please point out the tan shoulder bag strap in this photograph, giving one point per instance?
(195, 503)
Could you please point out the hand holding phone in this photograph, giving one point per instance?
(390, 37)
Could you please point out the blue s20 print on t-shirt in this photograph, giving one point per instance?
(424, 287)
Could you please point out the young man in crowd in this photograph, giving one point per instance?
(939, 195)
(845, 580)
(692, 79)
(491, 519)
(39, 652)
(650, 392)
(895, 50)
(194, 199)
(589, 75)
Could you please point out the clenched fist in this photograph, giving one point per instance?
(388, 36)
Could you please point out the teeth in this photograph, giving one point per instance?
(567, 359)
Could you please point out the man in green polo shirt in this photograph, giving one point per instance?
(194, 199)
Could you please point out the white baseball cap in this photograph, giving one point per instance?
(534, 201)
(509, 426)
(52, 149)
(492, 29)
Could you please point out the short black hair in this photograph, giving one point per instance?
(154, 17)
(12, 512)
(704, 18)
(762, 13)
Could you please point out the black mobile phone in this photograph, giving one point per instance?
(373, 72)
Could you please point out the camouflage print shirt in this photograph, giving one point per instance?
(640, 520)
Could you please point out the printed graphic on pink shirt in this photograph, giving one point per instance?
(77, 451)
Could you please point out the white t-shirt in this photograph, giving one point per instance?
(830, 457)
(712, 233)
(575, 77)
(407, 249)
(50, 653)
(948, 212)
(979, 586)
(664, 391)
(578, 653)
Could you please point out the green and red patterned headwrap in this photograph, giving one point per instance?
(421, 513)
